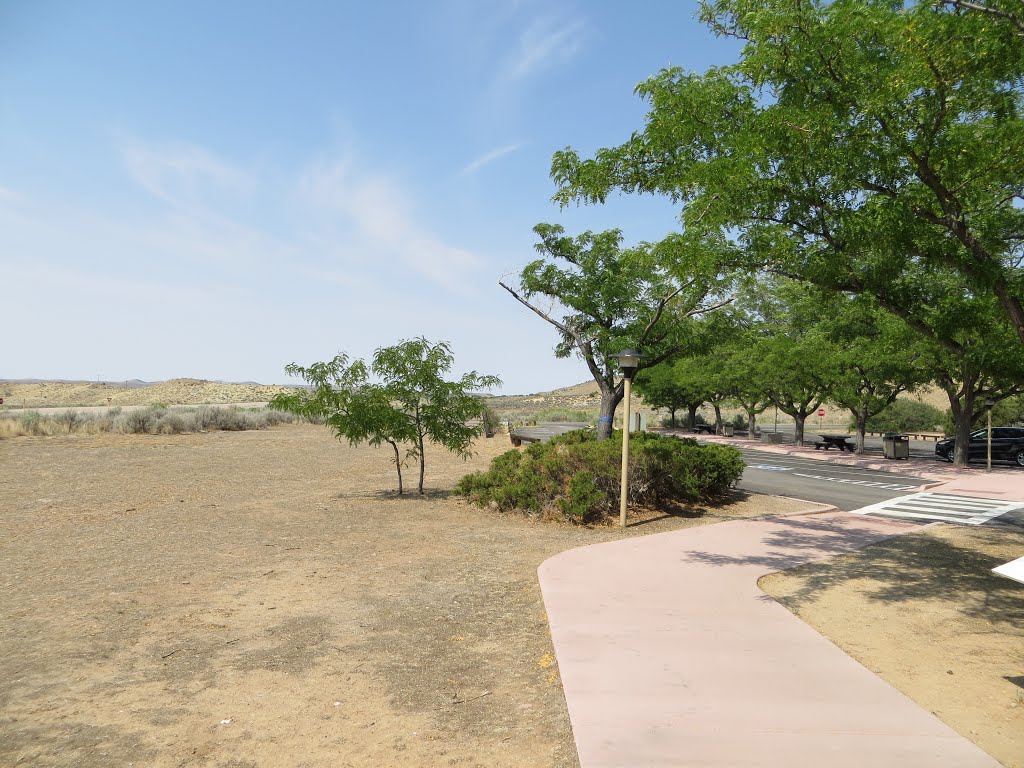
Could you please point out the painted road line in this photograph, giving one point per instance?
(768, 468)
(949, 508)
(865, 483)
(834, 469)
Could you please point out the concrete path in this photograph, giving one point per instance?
(670, 655)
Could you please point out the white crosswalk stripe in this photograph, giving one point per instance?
(944, 507)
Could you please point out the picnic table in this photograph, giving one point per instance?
(834, 441)
(704, 429)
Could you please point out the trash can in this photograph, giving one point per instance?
(728, 430)
(895, 446)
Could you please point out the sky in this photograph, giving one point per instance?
(216, 190)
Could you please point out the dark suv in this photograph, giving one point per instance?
(1007, 445)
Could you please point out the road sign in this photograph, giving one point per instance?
(821, 411)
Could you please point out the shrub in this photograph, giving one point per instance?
(489, 421)
(905, 416)
(576, 476)
(70, 419)
(173, 423)
(140, 421)
(31, 423)
(150, 420)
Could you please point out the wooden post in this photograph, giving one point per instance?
(624, 485)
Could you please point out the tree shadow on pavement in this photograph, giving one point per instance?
(915, 566)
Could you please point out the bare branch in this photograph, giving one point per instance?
(560, 326)
(987, 9)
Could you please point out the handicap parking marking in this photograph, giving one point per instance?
(865, 483)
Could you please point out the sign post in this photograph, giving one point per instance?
(821, 412)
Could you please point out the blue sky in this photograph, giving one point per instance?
(215, 190)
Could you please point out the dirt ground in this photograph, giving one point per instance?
(239, 599)
(925, 613)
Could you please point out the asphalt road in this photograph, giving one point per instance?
(844, 487)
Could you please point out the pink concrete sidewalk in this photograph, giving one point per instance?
(670, 655)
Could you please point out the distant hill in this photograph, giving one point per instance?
(579, 399)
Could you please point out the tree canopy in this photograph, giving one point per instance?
(412, 402)
(603, 298)
(867, 146)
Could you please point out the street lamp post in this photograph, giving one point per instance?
(629, 361)
(989, 402)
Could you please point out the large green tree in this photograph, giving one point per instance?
(857, 144)
(603, 298)
(878, 356)
(410, 404)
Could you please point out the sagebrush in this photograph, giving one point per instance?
(153, 420)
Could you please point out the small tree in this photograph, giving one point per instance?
(340, 394)
(412, 375)
(411, 405)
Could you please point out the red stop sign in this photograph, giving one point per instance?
(821, 411)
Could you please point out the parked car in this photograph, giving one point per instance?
(1007, 445)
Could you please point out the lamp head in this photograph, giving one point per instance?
(629, 361)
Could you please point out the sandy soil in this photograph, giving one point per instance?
(926, 614)
(264, 599)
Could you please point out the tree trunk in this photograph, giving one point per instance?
(861, 416)
(423, 462)
(398, 465)
(610, 399)
(718, 418)
(692, 416)
(751, 421)
(798, 429)
(963, 418)
(672, 418)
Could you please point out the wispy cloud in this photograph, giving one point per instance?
(488, 157)
(545, 41)
(379, 210)
(182, 173)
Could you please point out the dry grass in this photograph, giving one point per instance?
(264, 598)
(925, 612)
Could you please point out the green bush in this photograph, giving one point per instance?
(905, 416)
(31, 422)
(577, 477)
